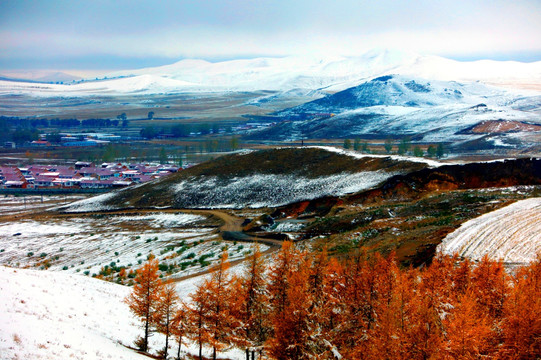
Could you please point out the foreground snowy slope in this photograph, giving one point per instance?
(511, 234)
(51, 315)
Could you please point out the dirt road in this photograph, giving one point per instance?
(230, 225)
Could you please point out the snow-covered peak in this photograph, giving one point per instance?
(329, 72)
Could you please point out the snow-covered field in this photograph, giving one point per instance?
(511, 234)
(10, 204)
(87, 245)
(51, 315)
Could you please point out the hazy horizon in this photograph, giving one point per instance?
(102, 36)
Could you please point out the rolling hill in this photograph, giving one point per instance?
(398, 106)
(266, 178)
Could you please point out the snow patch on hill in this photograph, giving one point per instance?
(511, 234)
(431, 163)
(271, 190)
(93, 204)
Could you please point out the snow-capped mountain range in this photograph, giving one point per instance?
(330, 74)
(396, 104)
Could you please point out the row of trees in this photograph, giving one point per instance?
(25, 123)
(402, 148)
(308, 306)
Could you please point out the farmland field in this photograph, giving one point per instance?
(511, 234)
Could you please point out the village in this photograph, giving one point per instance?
(82, 175)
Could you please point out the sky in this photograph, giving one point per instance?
(123, 34)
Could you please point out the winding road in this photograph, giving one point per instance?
(231, 227)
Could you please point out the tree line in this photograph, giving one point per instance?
(403, 147)
(23, 123)
(305, 305)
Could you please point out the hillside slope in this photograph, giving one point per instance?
(52, 315)
(510, 234)
(396, 105)
(266, 178)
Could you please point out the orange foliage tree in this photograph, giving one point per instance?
(166, 308)
(220, 320)
(145, 297)
(179, 325)
(306, 305)
(252, 309)
(197, 314)
(522, 315)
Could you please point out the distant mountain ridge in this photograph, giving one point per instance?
(426, 110)
(330, 74)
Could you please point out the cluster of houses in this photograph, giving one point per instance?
(83, 175)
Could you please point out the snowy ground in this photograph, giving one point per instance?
(271, 190)
(10, 205)
(357, 155)
(86, 245)
(512, 234)
(51, 315)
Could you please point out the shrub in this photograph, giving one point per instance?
(140, 343)
(30, 254)
(43, 255)
(65, 267)
(116, 253)
(163, 267)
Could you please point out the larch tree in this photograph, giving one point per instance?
(220, 321)
(385, 335)
(252, 310)
(197, 316)
(329, 312)
(144, 297)
(166, 308)
(211, 320)
(466, 330)
(179, 325)
(293, 336)
(522, 321)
